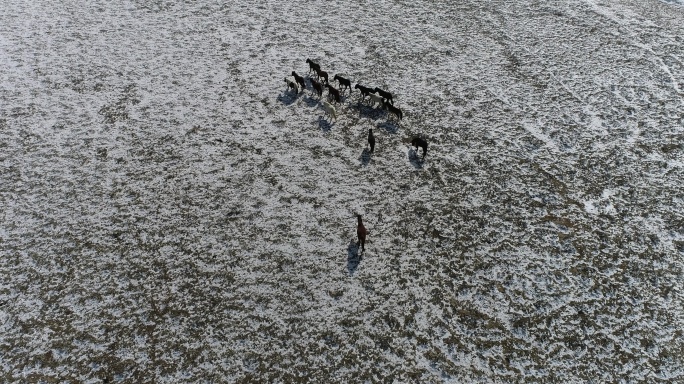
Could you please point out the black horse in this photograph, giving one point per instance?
(384, 94)
(343, 82)
(333, 92)
(418, 142)
(313, 66)
(322, 74)
(392, 109)
(316, 86)
(291, 84)
(299, 80)
(371, 140)
(365, 91)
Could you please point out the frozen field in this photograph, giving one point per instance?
(171, 213)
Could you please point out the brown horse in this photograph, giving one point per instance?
(361, 232)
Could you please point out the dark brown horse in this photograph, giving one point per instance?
(361, 232)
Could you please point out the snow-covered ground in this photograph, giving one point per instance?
(170, 212)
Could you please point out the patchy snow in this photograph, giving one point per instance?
(172, 213)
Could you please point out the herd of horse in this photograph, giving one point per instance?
(375, 95)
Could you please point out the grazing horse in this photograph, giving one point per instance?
(365, 91)
(299, 80)
(392, 109)
(343, 82)
(371, 139)
(384, 94)
(333, 92)
(418, 142)
(317, 87)
(375, 99)
(313, 66)
(330, 110)
(291, 84)
(361, 232)
(322, 74)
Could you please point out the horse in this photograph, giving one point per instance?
(313, 66)
(418, 142)
(291, 84)
(334, 92)
(371, 139)
(361, 232)
(299, 80)
(322, 74)
(317, 87)
(365, 91)
(392, 109)
(330, 110)
(384, 94)
(376, 99)
(343, 82)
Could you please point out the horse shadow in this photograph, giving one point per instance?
(365, 157)
(288, 98)
(353, 257)
(415, 159)
(389, 127)
(324, 124)
(310, 101)
(368, 112)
